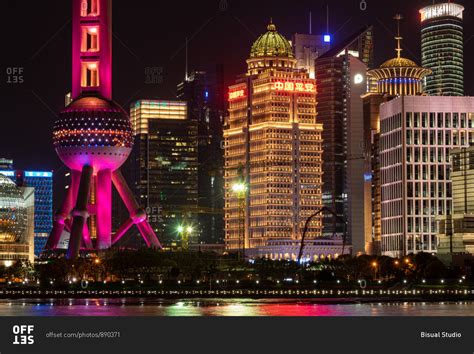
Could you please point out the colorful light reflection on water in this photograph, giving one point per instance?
(225, 307)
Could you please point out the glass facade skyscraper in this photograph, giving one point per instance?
(442, 48)
(42, 182)
(204, 93)
(164, 166)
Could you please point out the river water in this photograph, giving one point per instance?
(226, 307)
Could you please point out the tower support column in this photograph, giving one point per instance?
(137, 214)
(61, 218)
(104, 209)
(80, 213)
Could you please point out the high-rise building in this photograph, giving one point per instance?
(165, 163)
(42, 182)
(16, 222)
(395, 77)
(272, 153)
(456, 230)
(308, 47)
(417, 134)
(204, 93)
(93, 137)
(341, 81)
(442, 48)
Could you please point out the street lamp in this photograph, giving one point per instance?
(184, 232)
(240, 190)
(374, 265)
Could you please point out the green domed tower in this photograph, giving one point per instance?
(271, 50)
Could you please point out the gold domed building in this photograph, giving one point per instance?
(271, 50)
(399, 76)
(273, 150)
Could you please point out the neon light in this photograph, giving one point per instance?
(38, 174)
(327, 38)
(441, 10)
(7, 173)
(290, 86)
(236, 94)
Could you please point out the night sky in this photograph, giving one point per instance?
(150, 33)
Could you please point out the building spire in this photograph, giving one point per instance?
(398, 38)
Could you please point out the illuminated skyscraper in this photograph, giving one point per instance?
(442, 48)
(16, 222)
(308, 47)
(272, 153)
(395, 77)
(456, 230)
(417, 135)
(341, 80)
(165, 165)
(42, 182)
(205, 95)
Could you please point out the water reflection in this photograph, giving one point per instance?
(225, 307)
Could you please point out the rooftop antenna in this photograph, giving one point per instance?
(310, 24)
(327, 18)
(398, 38)
(186, 73)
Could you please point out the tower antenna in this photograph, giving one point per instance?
(310, 23)
(327, 18)
(398, 38)
(186, 60)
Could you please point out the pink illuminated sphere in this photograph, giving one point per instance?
(95, 132)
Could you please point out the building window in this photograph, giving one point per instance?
(90, 74)
(90, 39)
(89, 8)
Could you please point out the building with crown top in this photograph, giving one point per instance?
(398, 76)
(273, 156)
(442, 48)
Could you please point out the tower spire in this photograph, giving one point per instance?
(398, 38)
(186, 64)
(310, 23)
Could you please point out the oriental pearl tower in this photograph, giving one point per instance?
(93, 137)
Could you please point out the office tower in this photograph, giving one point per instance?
(93, 137)
(16, 222)
(341, 81)
(417, 134)
(395, 77)
(308, 47)
(272, 154)
(456, 230)
(42, 182)
(165, 162)
(6, 164)
(204, 93)
(442, 47)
